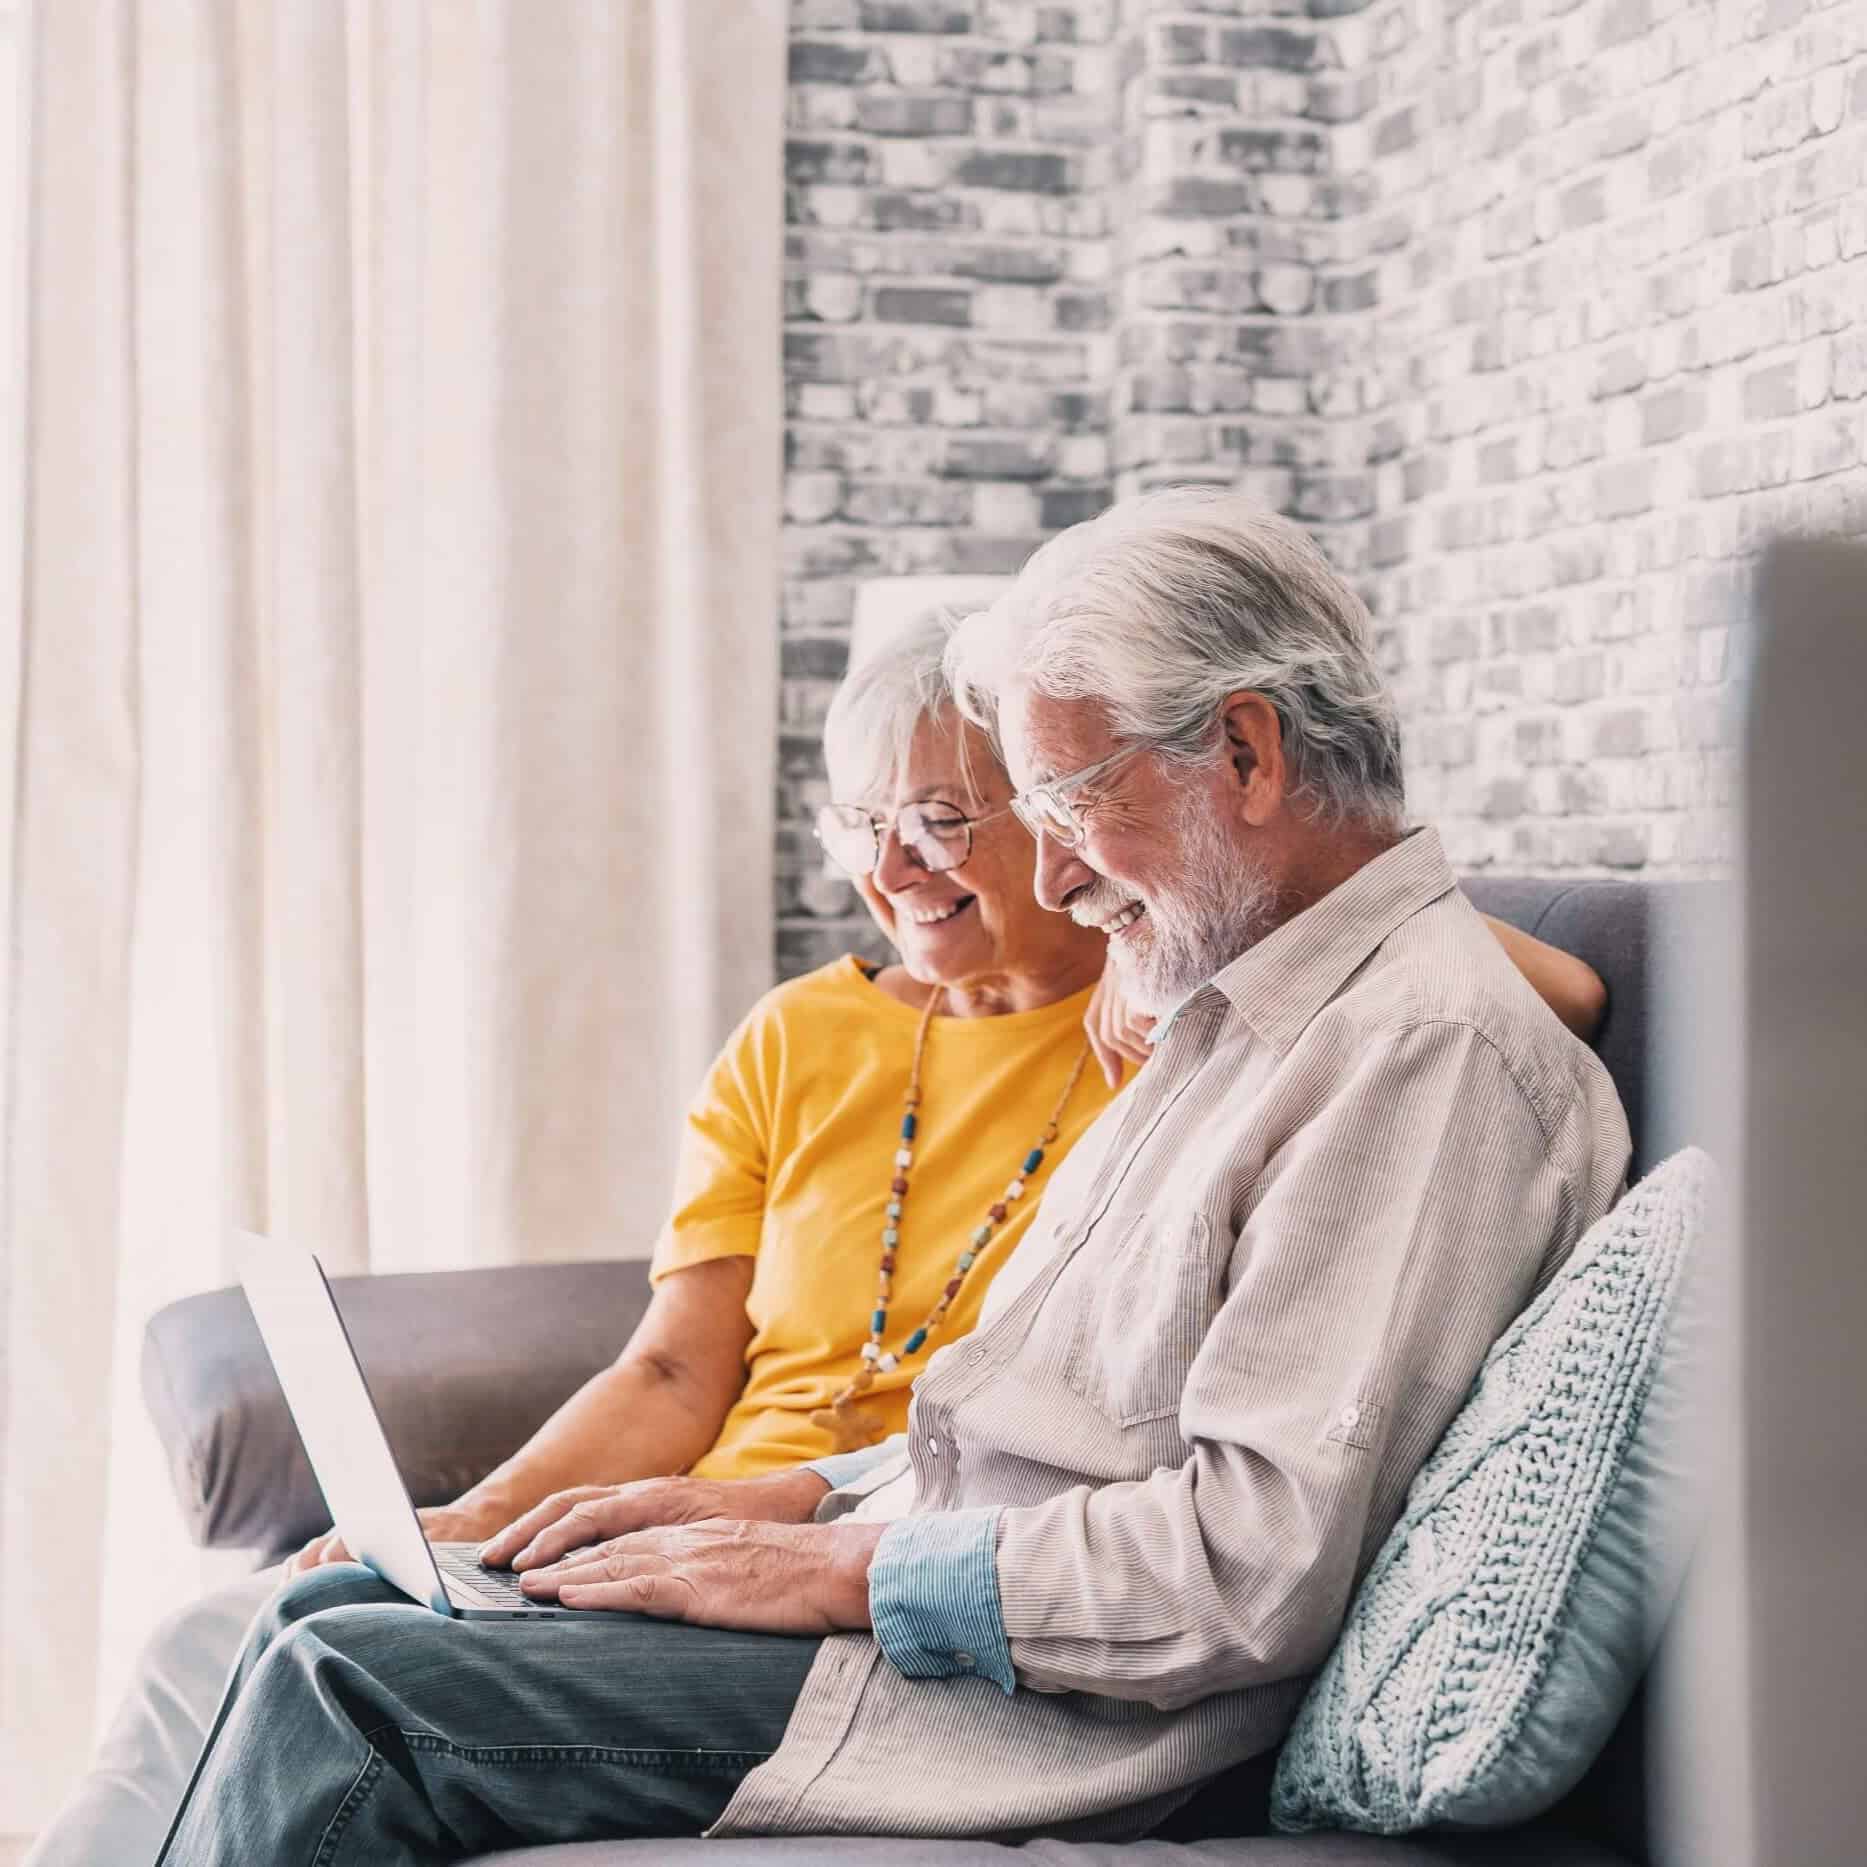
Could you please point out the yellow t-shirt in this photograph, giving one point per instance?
(787, 1157)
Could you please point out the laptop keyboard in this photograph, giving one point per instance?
(461, 1561)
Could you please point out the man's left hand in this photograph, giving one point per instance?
(774, 1578)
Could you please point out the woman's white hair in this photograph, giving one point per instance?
(1163, 605)
(882, 703)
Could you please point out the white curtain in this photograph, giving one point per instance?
(387, 688)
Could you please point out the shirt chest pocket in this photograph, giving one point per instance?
(1141, 1315)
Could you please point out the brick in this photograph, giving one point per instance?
(889, 113)
(999, 457)
(1621, 734)
(1771, 393)
(1668, 413)
(1063, 506)
(825, 161)
(1584, 204)
(1024, 170)
(922, 213)
(830, 62)
(911, 304)
(914, 16)
(1278, 48)
(1286, 152)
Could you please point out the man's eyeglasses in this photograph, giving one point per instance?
(936, 834)
(1046, 810)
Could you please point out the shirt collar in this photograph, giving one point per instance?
(1281, 983)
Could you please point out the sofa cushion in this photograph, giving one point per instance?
(1505, 1623)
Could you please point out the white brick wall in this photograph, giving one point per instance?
(1540, 314)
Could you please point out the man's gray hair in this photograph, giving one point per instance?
(1163, 605)
(882, 702)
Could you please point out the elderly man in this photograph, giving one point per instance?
(1128, 1512)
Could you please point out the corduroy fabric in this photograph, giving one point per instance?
(1512, 1611)
(1256, 1292)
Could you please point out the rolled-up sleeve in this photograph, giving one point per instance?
(933, 1596)
(1384, 1245)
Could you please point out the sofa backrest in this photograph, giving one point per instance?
(1618, 928)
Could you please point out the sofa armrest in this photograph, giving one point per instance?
(463, 1366)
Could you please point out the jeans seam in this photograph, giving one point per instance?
(652, 1757)
(353, 1800)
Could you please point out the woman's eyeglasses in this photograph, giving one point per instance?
(937, 835)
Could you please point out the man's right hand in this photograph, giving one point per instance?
(575, 1519)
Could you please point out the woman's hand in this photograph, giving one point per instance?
(576, 1519)
(1115, 1031)
(443, 1523)
(775, 1578)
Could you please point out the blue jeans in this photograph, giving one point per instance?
(361, 1728)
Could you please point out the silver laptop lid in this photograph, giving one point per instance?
(331, 1406)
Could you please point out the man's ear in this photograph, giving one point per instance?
(1254, 743)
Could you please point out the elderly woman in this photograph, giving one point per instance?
(860, 1161)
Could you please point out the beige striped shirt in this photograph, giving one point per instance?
(1257, 1291)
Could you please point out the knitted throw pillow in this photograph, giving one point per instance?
(1507, 1619)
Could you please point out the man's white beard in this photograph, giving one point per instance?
(1225, 903)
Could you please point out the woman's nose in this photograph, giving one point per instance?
(896, 866)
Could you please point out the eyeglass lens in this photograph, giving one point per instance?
(936, 835)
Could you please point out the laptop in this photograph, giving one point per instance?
(343, 1437)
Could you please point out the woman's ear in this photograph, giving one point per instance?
(1254, 744)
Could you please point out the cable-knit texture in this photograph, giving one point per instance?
(1504, 1623)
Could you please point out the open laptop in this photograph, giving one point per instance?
(343, 1437)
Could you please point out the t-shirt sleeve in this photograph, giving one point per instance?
(720, 1175)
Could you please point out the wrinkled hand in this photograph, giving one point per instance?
(444, 1523)
(774, 1578)
(587, 1514)
(1114, 1030)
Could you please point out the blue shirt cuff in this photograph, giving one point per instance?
(844, 1468)
(933, 1596)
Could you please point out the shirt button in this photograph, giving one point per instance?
(1351, 1416)
(933, 1446)
(965, 1661)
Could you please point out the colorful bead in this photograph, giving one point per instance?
(874, 1358)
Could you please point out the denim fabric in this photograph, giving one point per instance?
(360, 1728)
(933, 1595)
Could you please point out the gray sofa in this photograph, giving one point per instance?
(464, 1364)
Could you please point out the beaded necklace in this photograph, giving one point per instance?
(854, 1425)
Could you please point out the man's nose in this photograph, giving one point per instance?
(1060, 872)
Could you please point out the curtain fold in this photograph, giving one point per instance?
(390, 686)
